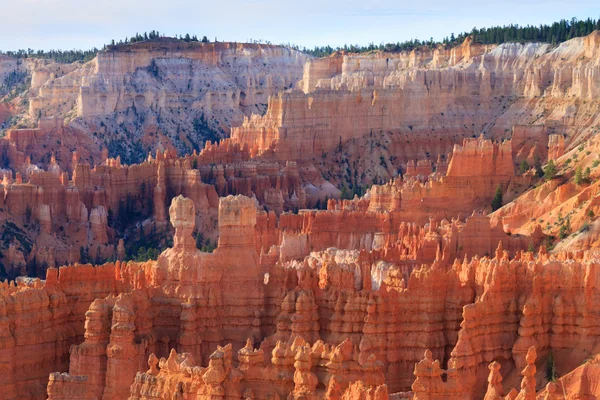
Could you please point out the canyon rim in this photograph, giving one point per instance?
(188, 218)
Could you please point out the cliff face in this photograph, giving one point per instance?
(325, 325)
(90, 209)
(52, 214)
(163, 94)
(410, 291)
(42, 319)
(564, 205)
(304, 319)
(166, 94)
(476, 169)
(441, 95)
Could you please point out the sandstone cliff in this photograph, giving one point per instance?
(410, 291)
(160, 94)
(433, 99)
(321, 323)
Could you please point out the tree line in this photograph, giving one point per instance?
(61, 56)
(155, 35)
(70, 56)
(555, 33)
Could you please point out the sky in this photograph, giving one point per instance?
(83, 24)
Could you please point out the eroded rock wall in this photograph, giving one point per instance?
(450, 94)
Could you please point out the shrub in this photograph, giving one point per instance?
(565, 227)
(523, 167)
(585, 227)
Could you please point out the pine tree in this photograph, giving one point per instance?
(497, 200)
(578, 176)
(551, 373)
(550, 170)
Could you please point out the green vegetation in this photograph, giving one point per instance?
(348, 193)
(205, 245)
(155, 35)
(322, 204)
(11, 231)
(555, 33)
(497, 200)
(144, 254)
(70, 56)
(61, 56)
(551, 374)
(585, 227)
(549, 171)
(537, 164)
(146, 244)
(578, 176)
(581, 176)
(565, 226)
(15, 83)
(84, 256)
(203, 130)
(523, 167)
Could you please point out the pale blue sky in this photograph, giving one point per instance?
(83, 24)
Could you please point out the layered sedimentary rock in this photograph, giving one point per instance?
(80, 207)
(85, 207)
(475, 171)
(402, 293)
(215, 83)
(418, 104)
(564, 204)
(27, 150)
(447, 93)
(334, 303)
(42, 319)
(366, 319)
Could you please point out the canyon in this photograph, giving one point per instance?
(244, 221)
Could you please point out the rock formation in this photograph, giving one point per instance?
(407, 290)
(466, 90)
(320, 315)
(315, 281)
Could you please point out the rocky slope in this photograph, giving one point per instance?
(160, 94)
(410, 290)
(408, 106)
(316, 323)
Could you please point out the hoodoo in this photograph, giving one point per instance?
(183, 218)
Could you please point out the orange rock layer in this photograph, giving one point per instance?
(313, 324)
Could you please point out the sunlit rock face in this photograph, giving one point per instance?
(167, 93)
(411, 291)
